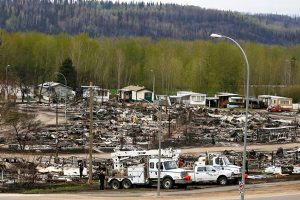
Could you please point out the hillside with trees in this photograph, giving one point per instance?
(105, 18)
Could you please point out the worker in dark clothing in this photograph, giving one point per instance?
(80, 170)
(101, 179)
(247, 167)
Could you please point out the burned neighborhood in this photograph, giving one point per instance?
(136, 99)
(57, 145)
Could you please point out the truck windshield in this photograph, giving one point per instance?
(170, 165)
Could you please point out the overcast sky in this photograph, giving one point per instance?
(286, 7)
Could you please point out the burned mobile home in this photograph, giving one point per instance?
(100, 95)
(275, 134)
(52, 90)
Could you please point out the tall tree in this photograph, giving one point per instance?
(68, 70)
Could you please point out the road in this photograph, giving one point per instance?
(280, 197)
(83, 197)
(266, 191)
(191, 150)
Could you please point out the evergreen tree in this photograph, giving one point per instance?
(68, 70)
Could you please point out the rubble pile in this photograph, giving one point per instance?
(62, 168)
(43, 169)
(134, 126)
(210, 127)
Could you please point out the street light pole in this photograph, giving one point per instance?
(213, 35)
(65, 95)
(91, 135)
(159, 147)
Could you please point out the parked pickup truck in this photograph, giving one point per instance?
(220, 162)
(208, 173)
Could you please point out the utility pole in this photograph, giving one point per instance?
(159, 155)
(91, 136)
(169, 119)
(56, 128)
(6, 84)
(159, 113)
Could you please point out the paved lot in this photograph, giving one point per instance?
(279, 197)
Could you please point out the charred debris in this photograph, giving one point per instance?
(132, 126)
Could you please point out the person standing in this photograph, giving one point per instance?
(247, 167)
(102, 179)
(80, 170)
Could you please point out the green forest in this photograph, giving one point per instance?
(205, 66)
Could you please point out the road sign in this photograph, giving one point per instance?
(241, 187)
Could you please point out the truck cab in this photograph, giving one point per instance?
(222, 163)
(170, 174)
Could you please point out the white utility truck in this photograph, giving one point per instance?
(221, 162)
(214, 169)
(207, 173)
(141, 168)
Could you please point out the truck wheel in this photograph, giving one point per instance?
(222, 180)
(167, 183)
(237, 180)
(126, 183)
(115, 184)
(149, 181)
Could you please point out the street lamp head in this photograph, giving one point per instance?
(214, 35)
